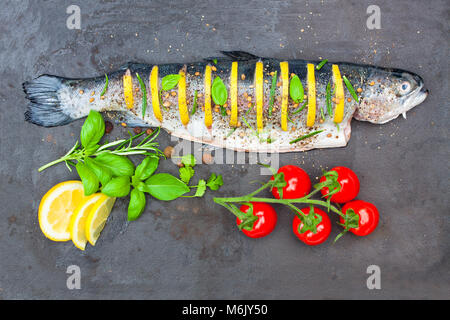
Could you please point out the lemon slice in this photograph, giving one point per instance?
(97, 217)
(78, 221)
(57, 207)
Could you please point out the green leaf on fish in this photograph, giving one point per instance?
(296, 89)
(219, 92)
(170, 81)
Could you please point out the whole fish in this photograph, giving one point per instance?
(239, 101)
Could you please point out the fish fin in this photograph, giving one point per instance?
(44, 108)
(240, 55)
(215, 60)
(133, 66)
(127, 117)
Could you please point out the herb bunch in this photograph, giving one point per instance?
(107, 168)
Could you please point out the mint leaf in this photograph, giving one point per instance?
(188, 160)
(201, 188)
(215, 181)
(186, 173)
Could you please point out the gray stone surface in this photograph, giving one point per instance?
(190, 248)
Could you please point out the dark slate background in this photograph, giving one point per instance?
(190, 248)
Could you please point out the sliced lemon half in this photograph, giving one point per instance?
(78, 221)
(57, 207)
(97, 217)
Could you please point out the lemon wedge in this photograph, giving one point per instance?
(96, 219)
(57, 207)
(78, 221)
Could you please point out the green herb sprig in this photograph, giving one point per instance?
(105, 87)
(272, 92)
(350, 88)
(305, 136)
(107, 167)
(321, 64)
(144, 95)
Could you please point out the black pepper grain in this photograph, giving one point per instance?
(108, 127)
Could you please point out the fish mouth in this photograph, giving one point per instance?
(415, 98)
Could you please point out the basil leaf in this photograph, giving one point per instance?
(91, 149)
(201, 188)
(119, 165)
(188, 160)
(103, 174)
(296, 89)
(170, 81)
(215, 181)
(88, 178)
(136, 205)
(117, 187)
(146, 168)
(219, 92)
(166, 187)
(186, 173)
(92, 130)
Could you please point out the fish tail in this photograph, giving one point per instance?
(45, 108)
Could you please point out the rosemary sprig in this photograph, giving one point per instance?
(194, 106)
(321, 64)
(328, 100)
(124, 147)
(144, 95)
(272, 92)
(299, 109)
(305, 136)
(106, 86)
(350, 88)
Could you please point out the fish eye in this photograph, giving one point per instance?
(405, 87)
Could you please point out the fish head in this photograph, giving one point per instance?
(389, 93)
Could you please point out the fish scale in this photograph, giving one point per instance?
(384, 94)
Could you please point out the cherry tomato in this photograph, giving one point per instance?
(267, 219)
(349, 185)
(298, 183)
(368, 216)
(323, 229)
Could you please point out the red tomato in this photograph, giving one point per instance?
(368, 216)
(267, 219)
(298, 183)
(349, 185)
(323, 229)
